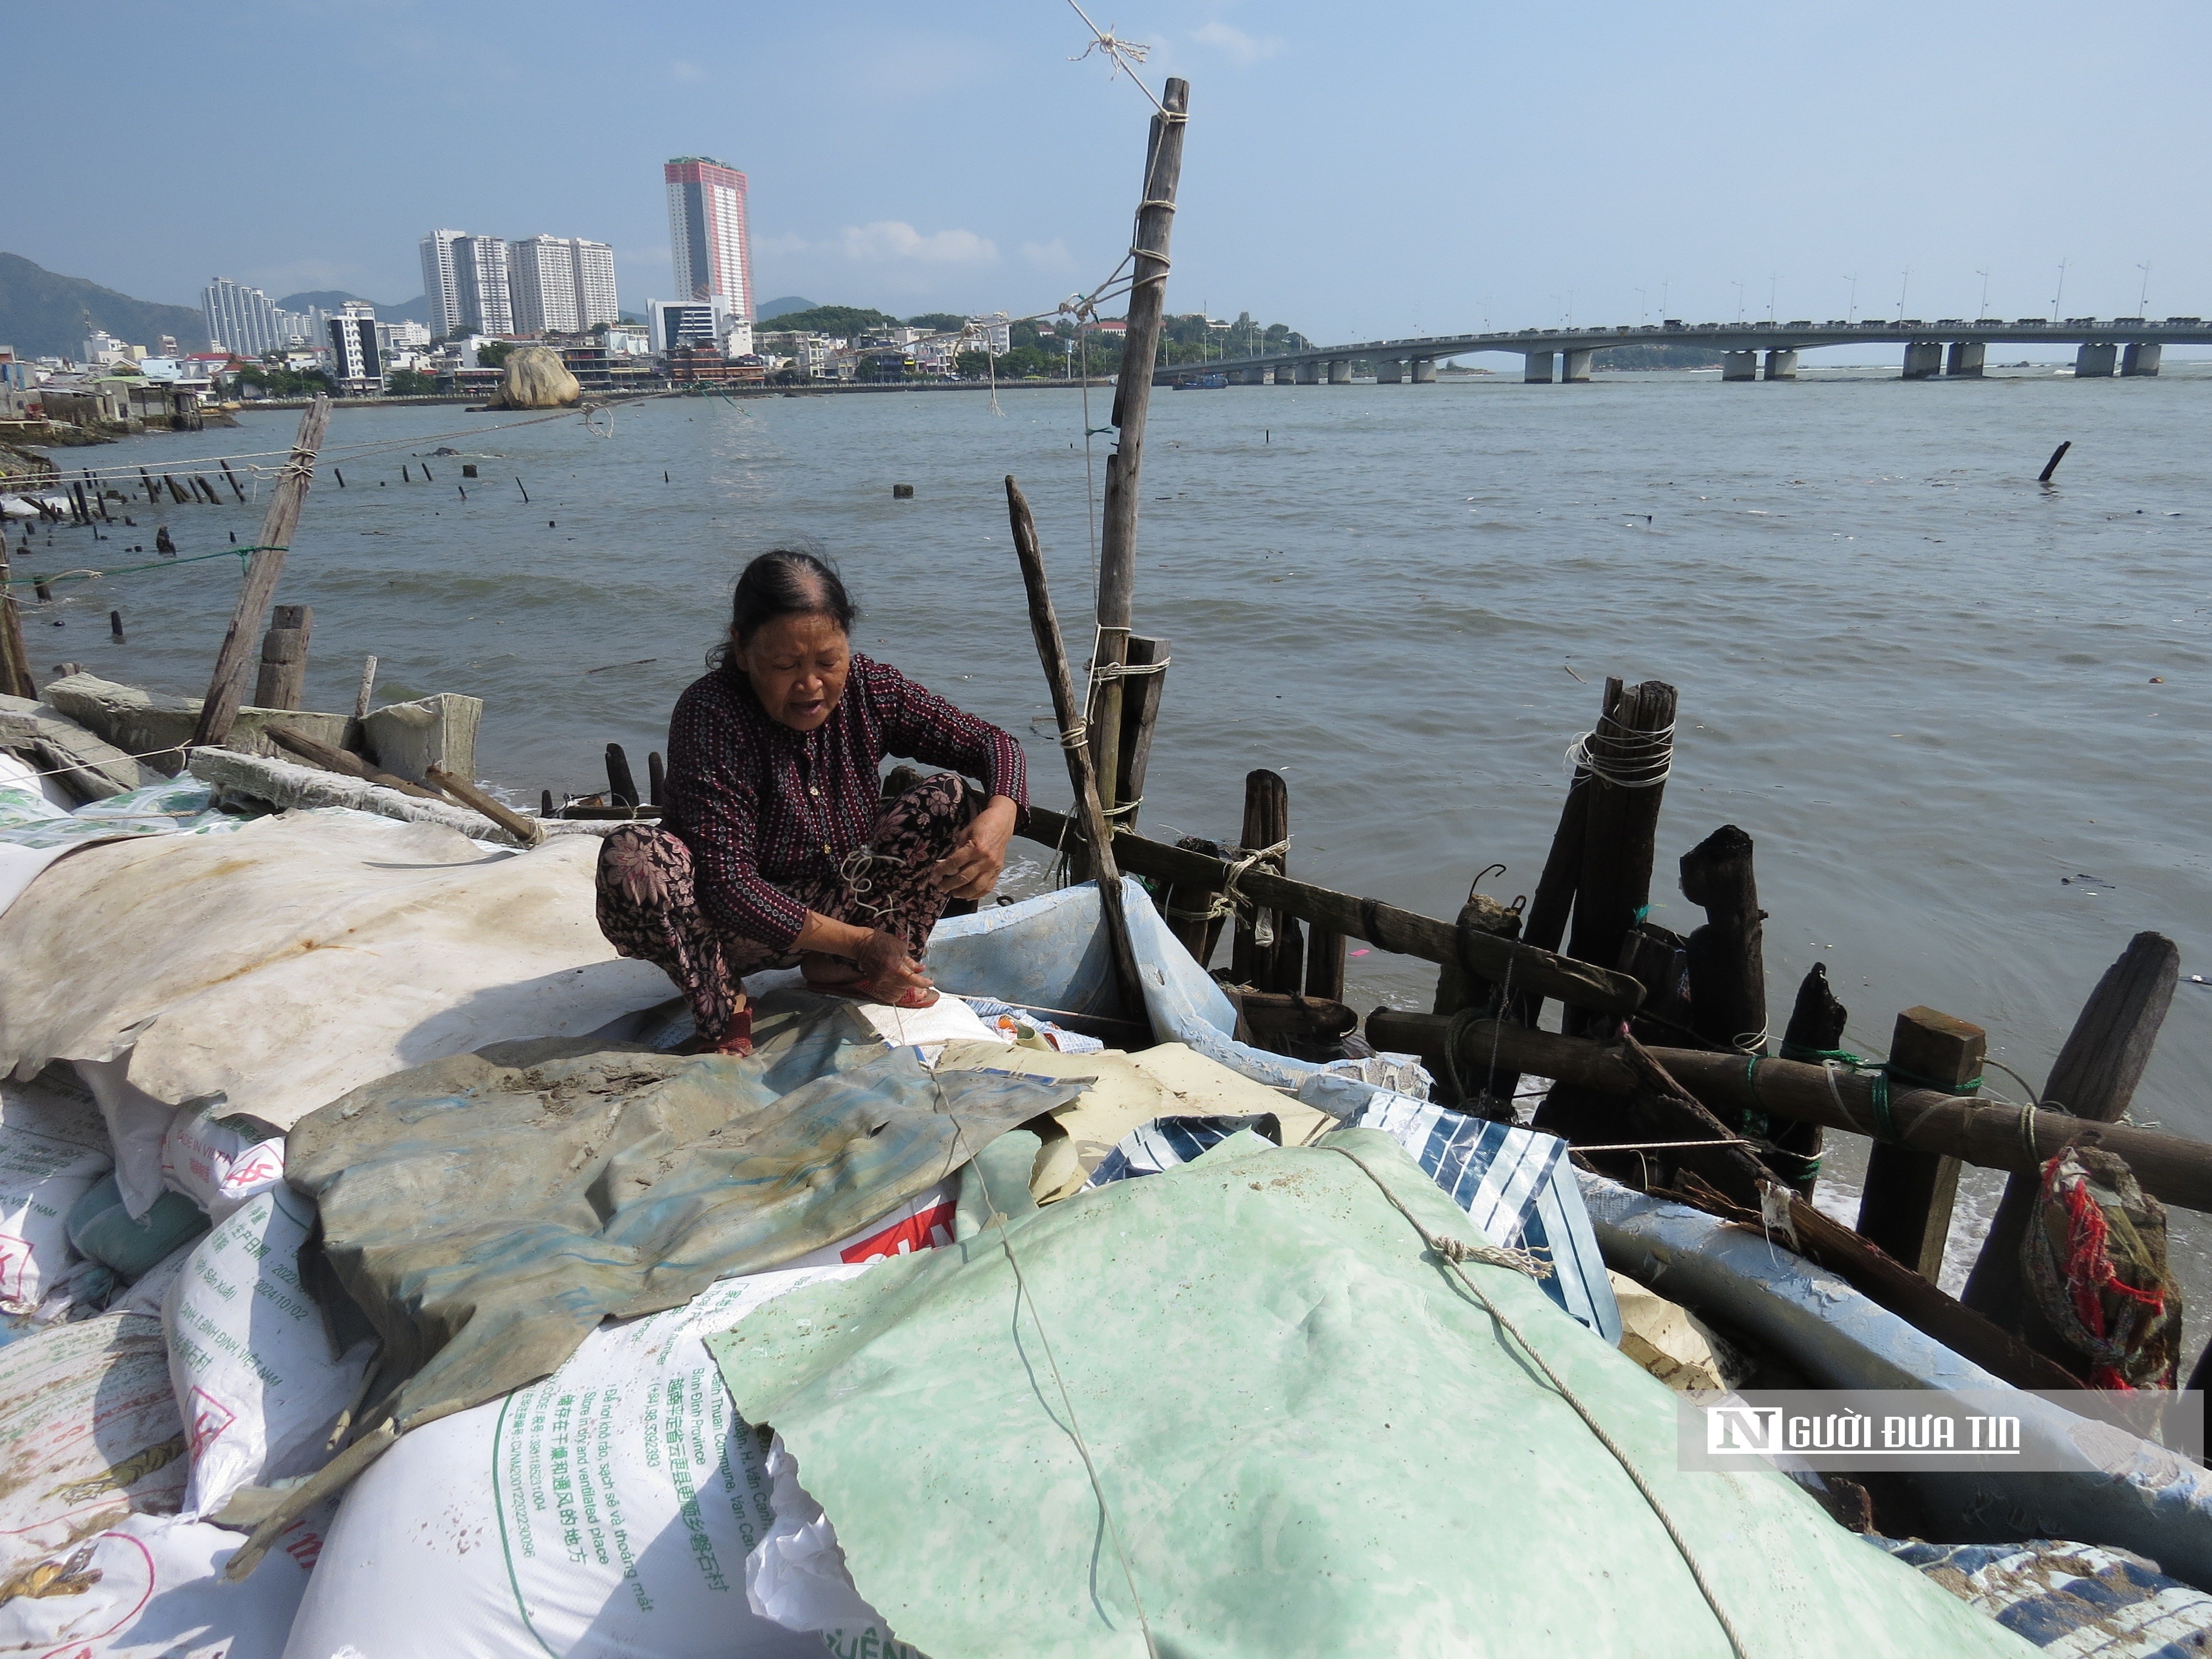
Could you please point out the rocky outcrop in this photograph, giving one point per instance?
(536, 378)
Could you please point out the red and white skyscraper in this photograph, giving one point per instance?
(707, 230)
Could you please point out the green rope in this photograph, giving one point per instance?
(1880, 1074)
(243, 555)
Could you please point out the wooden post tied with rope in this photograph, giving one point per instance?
(1267, 952)
(1460, 990)
(219, 712)
(15, 657)
(2094, 1079)
(282, 682)
(1140, 713)
(1133, 391)
(1074, 743)
(1910, 1194)
(1815, 1028)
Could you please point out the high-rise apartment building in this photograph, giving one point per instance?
(480, 276)
(440, 282)
(560, 284)
(707, 232)
(541, 279)
(595, 283)
(354, 354)
(239, 319)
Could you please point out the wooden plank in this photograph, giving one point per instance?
(1133, 392)
(1051, 652)
(528, 831)
(316, 752)
(227, 686)
(2094, 1079)
(1384, 926)
(1906, 1206)
(284, 678)
(2171, 1167)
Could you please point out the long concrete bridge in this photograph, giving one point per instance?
(1949, 347)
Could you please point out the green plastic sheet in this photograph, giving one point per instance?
(1312, 1439)
(488, 1210)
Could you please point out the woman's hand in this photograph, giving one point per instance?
(886, 966)
(971, 869)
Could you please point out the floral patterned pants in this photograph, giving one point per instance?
(649, 905)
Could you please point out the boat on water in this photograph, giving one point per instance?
(1201, 382)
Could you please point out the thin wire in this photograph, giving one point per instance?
(1124, 55)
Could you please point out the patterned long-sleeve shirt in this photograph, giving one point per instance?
(764, 808)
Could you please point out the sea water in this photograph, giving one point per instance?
(1963, 716)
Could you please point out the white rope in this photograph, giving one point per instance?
(1633, 760)
(1124, 55)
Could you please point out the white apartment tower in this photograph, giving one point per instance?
(353, 348)
(440, 282)
(241, 318)
(481, 278)
(707, 232)
(561, 285)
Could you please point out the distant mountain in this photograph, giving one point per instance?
(778, 307)
(46, 314)
(416, 310)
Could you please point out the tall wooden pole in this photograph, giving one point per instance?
(1089, 814)
(228, 687)
(15, 679)
(1133, 396)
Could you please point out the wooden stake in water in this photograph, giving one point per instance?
(368, 685)
(225, 690)
(2051, 465)
(14, 659)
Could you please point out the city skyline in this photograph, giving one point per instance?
(1631, 188)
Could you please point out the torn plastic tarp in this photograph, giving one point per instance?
(487, 1211)
(1311, 1439)
(303, 955)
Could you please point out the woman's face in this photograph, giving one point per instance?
(797, 665)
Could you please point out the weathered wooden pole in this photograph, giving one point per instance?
(1458, 988)
(14, 659)
(1075, 745)
(1254, 960)
(622, 783)
(1189, 906)
(236, 488)
(1816, 1030)
(2093, 1077)
(1910, 1194)
(1630, 753)
(219, 710)
(368, 685)
(1140, 713)
(1133, 392)
(282, 681)
(1728, 959)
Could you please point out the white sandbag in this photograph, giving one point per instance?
(53, 1148)
(605, 1513)
(250, 1354)
(88, 1433)
(797, 1574)
(218, 1159)
(303, 955)
(151, 1587)
(138, 1125)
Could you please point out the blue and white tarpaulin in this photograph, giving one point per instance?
(1517, 1187)
(2071, 1599)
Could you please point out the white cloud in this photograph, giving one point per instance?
(1048, 255)
(888, 242)
(1235, 43)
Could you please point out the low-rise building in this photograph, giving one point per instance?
(699, 363)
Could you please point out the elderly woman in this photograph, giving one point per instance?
(774, 846)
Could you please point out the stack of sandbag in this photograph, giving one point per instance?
(301, 956)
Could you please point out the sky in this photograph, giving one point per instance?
(1357, 172)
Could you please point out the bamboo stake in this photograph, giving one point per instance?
(226, 688)
(1133, 392)
(1051, 652)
